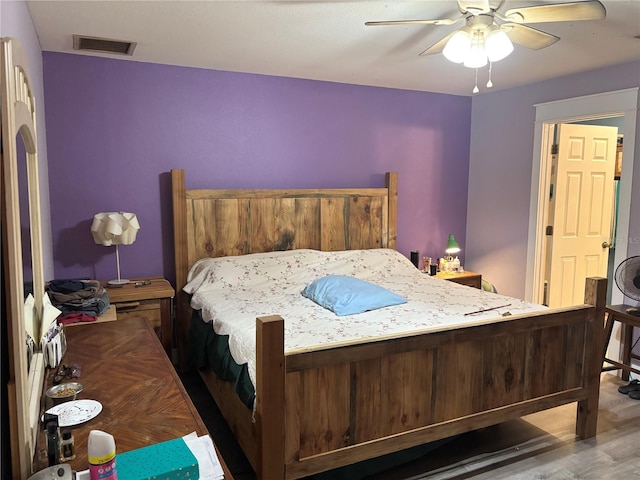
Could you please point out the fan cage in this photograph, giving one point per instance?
(627, 277)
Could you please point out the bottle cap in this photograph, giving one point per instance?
(101, 447)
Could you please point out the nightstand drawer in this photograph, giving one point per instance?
(475, 282)
(148, 297)
(467, 278)
(149, 309)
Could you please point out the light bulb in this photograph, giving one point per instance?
(458, 46)
(497, 44)
(477, 56)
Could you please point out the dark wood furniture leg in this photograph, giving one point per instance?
(608, 328)
(627, 342)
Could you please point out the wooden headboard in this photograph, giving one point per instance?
(215, 223)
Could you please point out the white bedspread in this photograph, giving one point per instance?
(232, 291)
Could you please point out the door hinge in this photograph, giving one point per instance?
(549, 230)
(554, 149)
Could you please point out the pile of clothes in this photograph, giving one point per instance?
(78, 300)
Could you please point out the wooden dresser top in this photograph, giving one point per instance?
(125, 368)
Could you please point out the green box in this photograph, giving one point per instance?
(171, 460)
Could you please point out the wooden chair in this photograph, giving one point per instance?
(618, 313)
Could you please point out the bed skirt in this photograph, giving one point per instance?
(208, 349)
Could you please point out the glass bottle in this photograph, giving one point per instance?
(67, 447)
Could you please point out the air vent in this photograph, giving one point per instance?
(104, 45)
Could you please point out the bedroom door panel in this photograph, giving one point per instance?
(582, 210)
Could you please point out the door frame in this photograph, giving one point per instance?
(609, 104)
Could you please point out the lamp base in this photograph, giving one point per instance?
(120, 281)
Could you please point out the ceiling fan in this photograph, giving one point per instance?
(488, 32)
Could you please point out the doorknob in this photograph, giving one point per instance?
(606, 244)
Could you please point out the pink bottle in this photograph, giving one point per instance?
(102, 456)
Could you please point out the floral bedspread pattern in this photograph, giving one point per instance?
(232, 292)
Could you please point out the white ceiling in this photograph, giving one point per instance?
(327, 40)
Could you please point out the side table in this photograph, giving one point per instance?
(470, 279)
(152, 301)
(618, 313)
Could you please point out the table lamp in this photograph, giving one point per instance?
(115, 228)
(452, 247)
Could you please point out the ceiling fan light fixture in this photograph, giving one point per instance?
(498, 44)
(483, 40)
(458, 47)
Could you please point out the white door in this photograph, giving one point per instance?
(582, 212)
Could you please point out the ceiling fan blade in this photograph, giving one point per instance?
(475, 7)
(528, 36)
(437, 47)
(442, 21)
(560, 12)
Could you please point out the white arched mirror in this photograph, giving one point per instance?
(20, 159)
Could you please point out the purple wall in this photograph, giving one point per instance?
(115, 129)
(501, 168)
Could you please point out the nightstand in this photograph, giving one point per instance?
(151, 301)
(470, 279)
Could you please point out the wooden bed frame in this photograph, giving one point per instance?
(332, 406)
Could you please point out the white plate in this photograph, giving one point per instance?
(75, 412)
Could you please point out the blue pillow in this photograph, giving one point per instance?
(348, 295)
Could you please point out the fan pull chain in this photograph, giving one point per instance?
(489, 83)
(476, 89)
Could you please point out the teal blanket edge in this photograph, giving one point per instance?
(208, 349)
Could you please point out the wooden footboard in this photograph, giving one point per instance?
(321, 409)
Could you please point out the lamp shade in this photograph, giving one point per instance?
(458, 46)
(115, 228)
(452, 245)
(497, 43)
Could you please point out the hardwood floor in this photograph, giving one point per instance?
(539, 446)
(217, 426)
